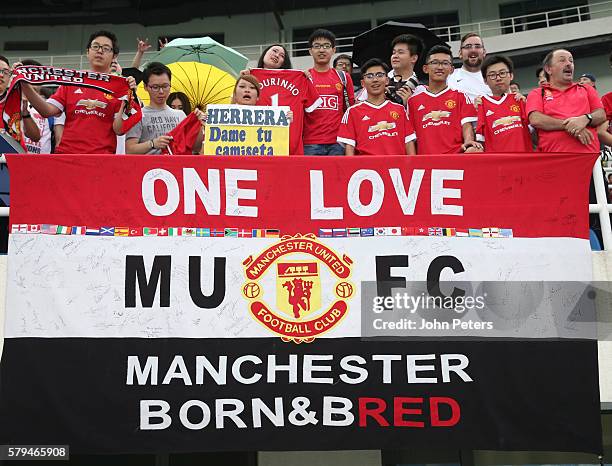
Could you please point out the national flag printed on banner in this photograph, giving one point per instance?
(47, 229)
(149, 231)
(203, 232)
(231, 233)
(34, 229)
(339, 233)
(393, 231)
(463, 232)
(475, 232)
(187, 231)
(78, 230)
(135, 231)
(92, 231)
(380, 231)
(353, 232)
(63, 230)
(161, 326)
(245, 233)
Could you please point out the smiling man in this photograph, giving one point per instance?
(93, 118)
(468, 78)
(336, 90)
(376, 126)
(565, 114)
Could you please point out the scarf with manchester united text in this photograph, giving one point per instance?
(10, 101)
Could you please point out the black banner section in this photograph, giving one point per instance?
(187, 395)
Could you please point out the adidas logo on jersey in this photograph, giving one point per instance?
(489, 112)
(78, 91)
(365, 118)
(421, 107)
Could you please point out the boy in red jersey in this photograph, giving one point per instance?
(503, 125)
(93, 118)
(442, 117)
(376, 126)
(335, 88)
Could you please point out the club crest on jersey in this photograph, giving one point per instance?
(515, 108)
(339, 86)
(450, 103)
(90, 104)
(394, 115)
(108, 96)
(381, 126)
(310, 286)
(436, 115)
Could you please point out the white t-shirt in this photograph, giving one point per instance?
(471, 84)
(43, 146)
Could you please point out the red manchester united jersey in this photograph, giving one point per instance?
(436, 119)
(321, 126)
(293, 89)
(376, 130)
(503, 125)
(89, 120)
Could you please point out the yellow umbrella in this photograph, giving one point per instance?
(203, 84)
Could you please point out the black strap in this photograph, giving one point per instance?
(342, 77)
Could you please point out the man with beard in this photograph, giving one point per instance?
(468, 79)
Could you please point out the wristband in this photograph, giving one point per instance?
(152, 144)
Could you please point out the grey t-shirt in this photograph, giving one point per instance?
(155, 122)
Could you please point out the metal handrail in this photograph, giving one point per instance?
(484, 28)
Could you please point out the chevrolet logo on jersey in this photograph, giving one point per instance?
(90, 104)
(507, 120)
(381, 126)
(436, 115)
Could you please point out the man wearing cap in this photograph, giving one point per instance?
(587, 79)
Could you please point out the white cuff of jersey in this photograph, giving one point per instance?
(468, 120)
(314, 106)
(55, 103)
(346, 141)
(410, 137)
(532, 129)
(479, 137)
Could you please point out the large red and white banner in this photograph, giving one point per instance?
(220, 303)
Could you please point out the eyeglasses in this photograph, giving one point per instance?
(101, 48)
(378, 75)
(159, 87)
(325, 46)
(501, 74)
(444, 63)
(472, 46)
(5, 72)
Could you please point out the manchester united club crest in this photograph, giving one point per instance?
(515, 108)
(394, 115)
(450, 103)
(311, 288)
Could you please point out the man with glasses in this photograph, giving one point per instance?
(502, 125)
(442, 117)
(376, 126)
(149, 136)
(93, 118)
(336, 90)
(468, 78)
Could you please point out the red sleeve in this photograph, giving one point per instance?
(606, 100)
(311, 97)
(480, 125)
(535, 102)
(60, 96)
(350, 88)
(347, 133)
(594, 100)
(468, 111)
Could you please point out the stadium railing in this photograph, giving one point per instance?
(487, 28)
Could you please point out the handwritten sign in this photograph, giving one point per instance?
(246, 130)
